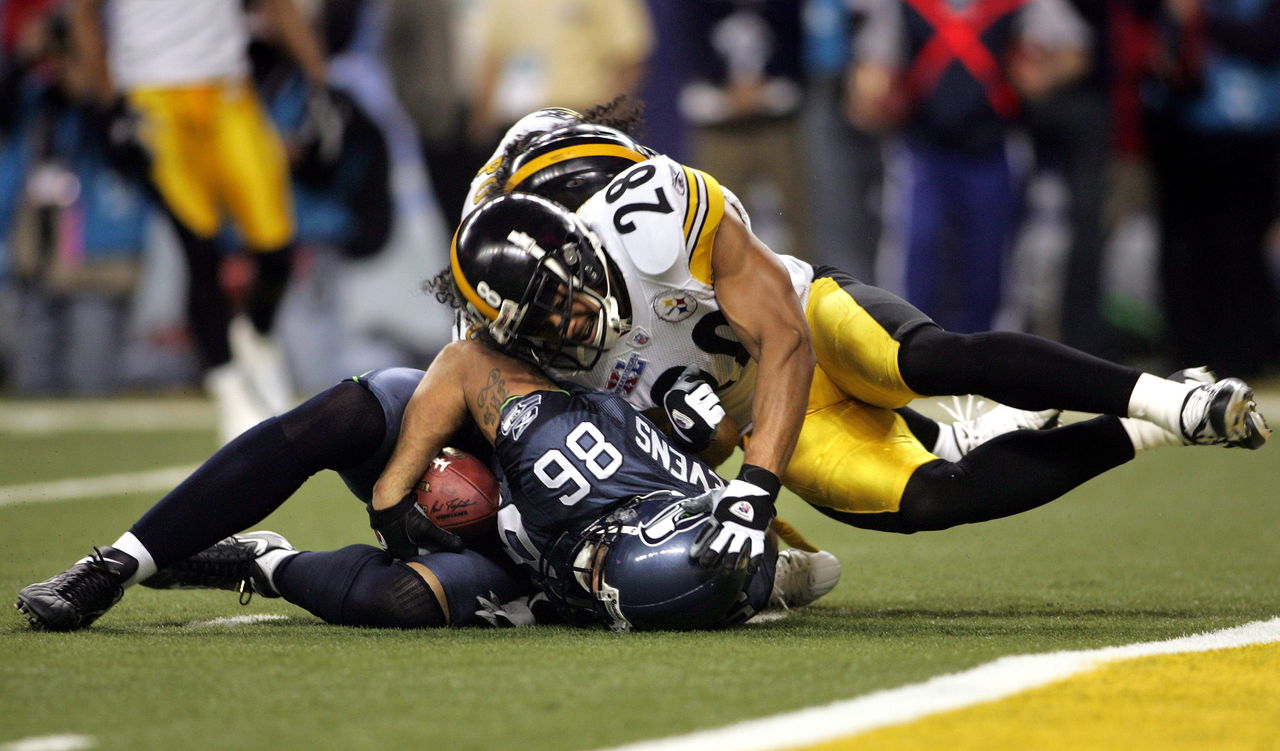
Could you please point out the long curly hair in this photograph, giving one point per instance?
(624, 112)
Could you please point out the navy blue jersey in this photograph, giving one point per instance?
(564, 459)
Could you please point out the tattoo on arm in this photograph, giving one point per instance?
(492, 397)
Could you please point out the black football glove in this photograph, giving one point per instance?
(693, 409)
(741, 517)
(122, 130)
(404, 528)
(324, 124)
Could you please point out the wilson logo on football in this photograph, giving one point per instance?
(743, 510)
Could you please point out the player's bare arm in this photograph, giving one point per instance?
(756, 295)
(298, 38)
(466, 381)
(85, 23)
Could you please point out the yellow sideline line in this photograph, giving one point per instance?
(999, 679)
(95, 487)
(1197, 701)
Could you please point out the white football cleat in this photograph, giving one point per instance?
(972, 427)
(260, 359)
(800, 577)
(238, 406)
(1224, 414)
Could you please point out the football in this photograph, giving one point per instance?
(459, 493)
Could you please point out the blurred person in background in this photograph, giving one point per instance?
(743, 101)
(175, 80)
(1071, 130)
(1213, 105)
(566, 53)
(843, 161)
(71, 226)
(953, 79)
(419, 48)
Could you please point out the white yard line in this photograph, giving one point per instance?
(114, 415)
(62, 742)
(149, 481)
(994, 680)
(238, 620)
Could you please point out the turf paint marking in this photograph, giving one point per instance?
(768, 617)
(94, 487)
(994, 680)
(238, 620)
(66, 742)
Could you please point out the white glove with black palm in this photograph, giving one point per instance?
(694, 410)
(741, 517)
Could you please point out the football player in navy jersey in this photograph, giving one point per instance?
(589, 488)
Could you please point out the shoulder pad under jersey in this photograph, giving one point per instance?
(661, 216)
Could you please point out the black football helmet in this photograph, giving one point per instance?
(571, 163)
(631, 569)
(520, 258)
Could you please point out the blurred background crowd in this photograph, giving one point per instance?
(1102, 172)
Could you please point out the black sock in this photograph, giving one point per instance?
(207, 311)
(359, 585)
(1007, 475)
(269, 282)
(923, 428)
(1020, 370)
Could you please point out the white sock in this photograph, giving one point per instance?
(1160, 401)
(133, 546)
(1146, 435)
(270, 560)
(946, 447)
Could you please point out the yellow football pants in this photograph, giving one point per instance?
(214, 153)
(855, 454)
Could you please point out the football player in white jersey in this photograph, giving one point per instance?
(177, 77)
(652, 275)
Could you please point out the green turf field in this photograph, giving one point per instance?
(1178, 542)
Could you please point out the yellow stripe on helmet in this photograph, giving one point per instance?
(464, 284)
(571, 152)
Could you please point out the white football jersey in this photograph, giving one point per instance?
(658, 221)
(175, 43)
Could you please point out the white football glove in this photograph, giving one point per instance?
(741, 516)
(693, 409)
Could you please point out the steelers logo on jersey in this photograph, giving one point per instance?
(675, 305)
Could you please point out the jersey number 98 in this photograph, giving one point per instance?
(594, 454)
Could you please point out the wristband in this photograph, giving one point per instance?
(761, 478)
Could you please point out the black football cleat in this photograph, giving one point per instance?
(227, 564)
(76, 597)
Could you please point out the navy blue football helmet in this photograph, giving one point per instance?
(631, 570)
(570, 164)
(520, 260)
